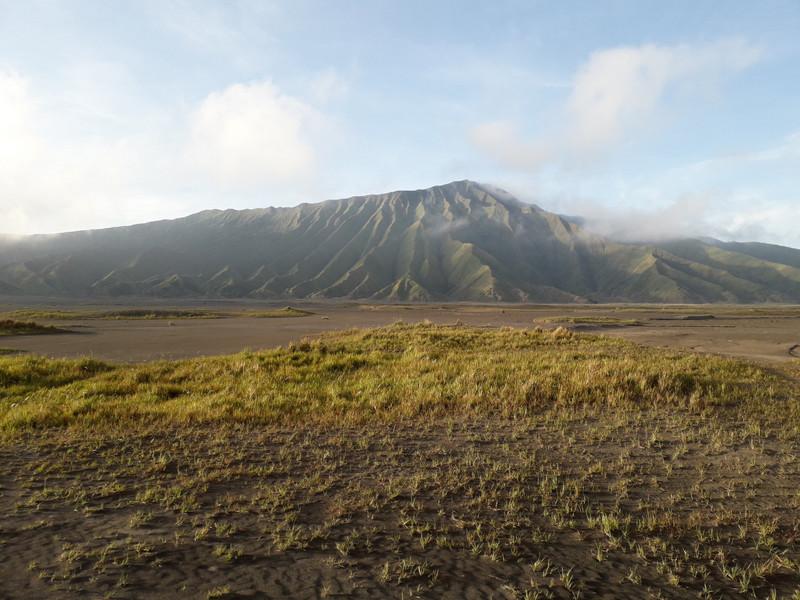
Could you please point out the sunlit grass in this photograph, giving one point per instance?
(598, 320)
(14, 327)
(287, 311)
(385, 375)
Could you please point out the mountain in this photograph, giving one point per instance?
(461, 241)
(769, 252)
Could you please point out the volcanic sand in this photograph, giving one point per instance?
(454, 510)
(761, 334)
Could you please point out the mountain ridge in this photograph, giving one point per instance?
(461, 241)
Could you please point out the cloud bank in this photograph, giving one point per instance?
(616, 94)
(243, 140)
(694, 215)
(622, 90)
(250, 136)
(622, 97)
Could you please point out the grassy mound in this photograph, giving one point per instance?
(12, 327)
(591, 320)
(385, 375)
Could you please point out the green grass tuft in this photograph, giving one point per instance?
(287, 311)
(12, 327)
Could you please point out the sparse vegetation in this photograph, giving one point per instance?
(287, 311)
(13, 327)
(38, 314)
(133, 313)
(150, 313)
(405, 461)
(591, 320)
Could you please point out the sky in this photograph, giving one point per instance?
(650, 119)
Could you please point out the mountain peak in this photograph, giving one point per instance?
(461, 241)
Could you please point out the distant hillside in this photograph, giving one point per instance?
(462, 241)
(769, 252)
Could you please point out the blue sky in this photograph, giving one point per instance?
(650, 119)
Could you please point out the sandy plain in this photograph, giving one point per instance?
(483, 509)
(770, 334)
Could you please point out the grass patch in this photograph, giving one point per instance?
(720, 310)
(134, 313)
(287, 311)
(385, 375)
(593, 320)
(54, 315)
(12, 327)
(6, 351)
(157, 314)
(151, 313)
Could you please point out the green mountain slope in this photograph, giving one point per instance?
(748, 277)
(461, 241)
(769, 252)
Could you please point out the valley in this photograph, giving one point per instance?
(762, 333)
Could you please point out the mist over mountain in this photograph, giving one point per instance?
(457, 242)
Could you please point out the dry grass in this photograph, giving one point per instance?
(385, 375)
(150, 313)
(590, 320)
(13, 327)
(407, 461)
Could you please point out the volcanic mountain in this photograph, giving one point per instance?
(457, 242)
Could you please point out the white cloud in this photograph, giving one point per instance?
(253, 135)
(15, 110)
(501, 141)
(740, 196)
(621, 89)
(734, 215)
(686, 216)
(751, 215)
(54, 185)
(87, 159)
(23, 155)
(19, 143)
(617, 93)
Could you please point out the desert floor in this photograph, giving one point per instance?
(596, 504)
(757, 333)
